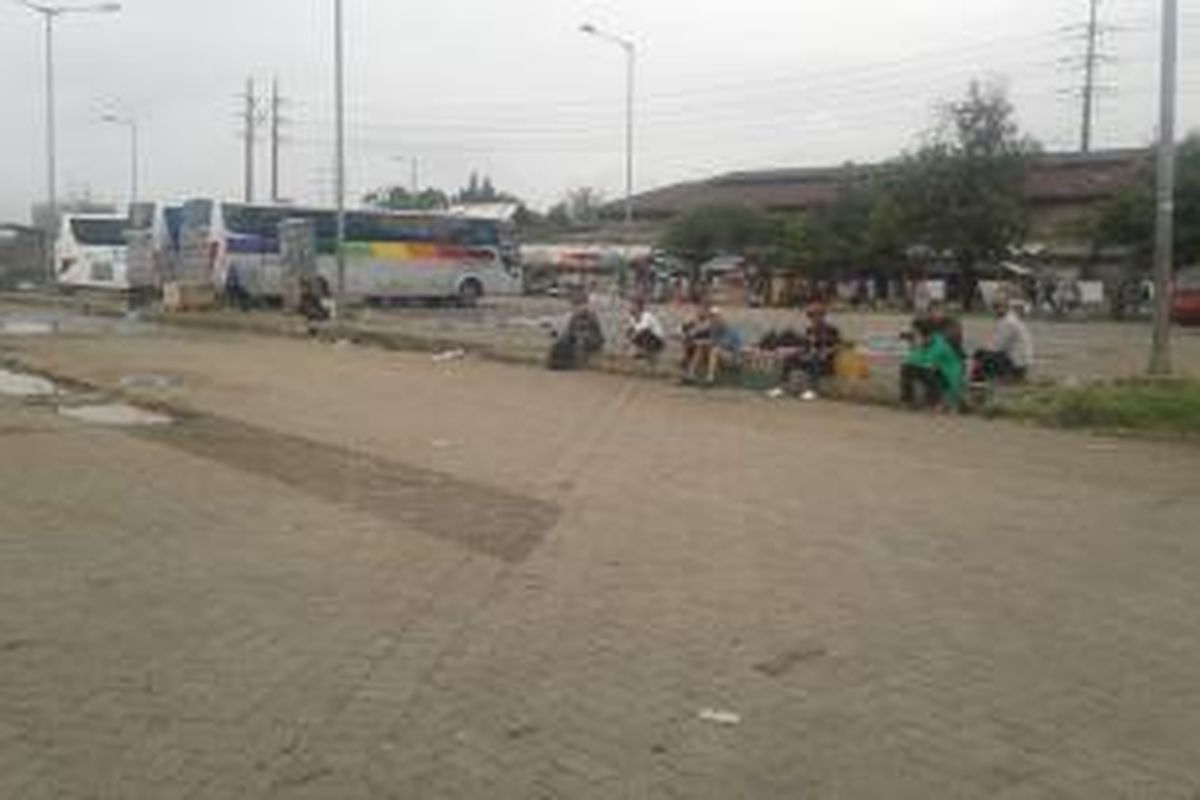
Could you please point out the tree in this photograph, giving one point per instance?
(1127, 218)
(711, 230)
(482, 190)
(860, 229)
(963, 193)
(401, 199)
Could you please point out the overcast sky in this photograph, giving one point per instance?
(514, 90)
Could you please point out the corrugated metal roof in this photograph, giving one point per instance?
(1055, 178)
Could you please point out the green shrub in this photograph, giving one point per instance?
(1140, 405)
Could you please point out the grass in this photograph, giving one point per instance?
(1144, 405)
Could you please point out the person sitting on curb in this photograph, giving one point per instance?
(713, 344)
(933, 365)
(582, 338)
(1011, 354)
(645, 331)
(949, 326)
(314, 299)
(817, 354)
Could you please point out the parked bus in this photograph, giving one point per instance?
(117, 252)
(90, 252)
(389, 255)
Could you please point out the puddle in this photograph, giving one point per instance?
(116, 415)
(16, 384)
(18, 327)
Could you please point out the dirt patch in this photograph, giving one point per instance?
(475, 516)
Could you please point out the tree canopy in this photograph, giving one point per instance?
(708, 231)
(400, 198)
(960, 195)
(1127, 219)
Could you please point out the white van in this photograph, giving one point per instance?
(91, 253)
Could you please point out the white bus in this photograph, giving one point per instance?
(93, 250)
(389, 255)
(90, 252)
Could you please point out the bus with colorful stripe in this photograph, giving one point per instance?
(389, 255)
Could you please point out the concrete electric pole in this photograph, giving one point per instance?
(276, 139)
(339, 167)
(250, 123)
(1164, 246)
(1089, 76)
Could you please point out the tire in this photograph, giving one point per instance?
(469, 292)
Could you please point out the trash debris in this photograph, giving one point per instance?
(776, 393)
(16, 384)
(116, 414)
(784, 663)
(809, 396)
(449, 355)
(150, 381)
(20, 327)
(718, 717)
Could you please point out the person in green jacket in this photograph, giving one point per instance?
(935, 366)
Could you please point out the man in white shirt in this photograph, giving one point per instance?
(645, 331)
(1011, 355)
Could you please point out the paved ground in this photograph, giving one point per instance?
(352, 574)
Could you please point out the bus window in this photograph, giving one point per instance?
(468, 232)
(197, 214)
(103, 232)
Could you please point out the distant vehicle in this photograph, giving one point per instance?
(152, 239)
(1185, 301)
(389, 255)
(90, 252)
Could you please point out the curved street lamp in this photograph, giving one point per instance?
(132, 125)
(49, 14)
(630, 49)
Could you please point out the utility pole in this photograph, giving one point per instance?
(1089, 76)
(250, 122)
(339, 167)
(1164, 245)
(276, 123)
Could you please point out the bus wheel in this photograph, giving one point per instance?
(469, 292)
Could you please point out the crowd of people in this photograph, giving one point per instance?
(935, 373)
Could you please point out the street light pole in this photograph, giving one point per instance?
(132, 125)
(630, 70)
(49, 14)
(1164, 246)
(340, 154)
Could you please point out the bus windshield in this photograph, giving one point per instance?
(97, 231)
